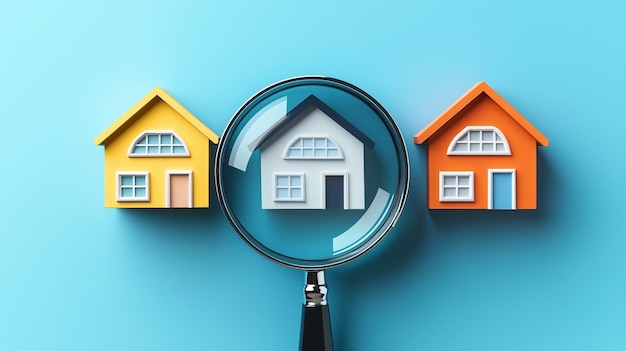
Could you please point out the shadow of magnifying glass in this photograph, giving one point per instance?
(312, 172)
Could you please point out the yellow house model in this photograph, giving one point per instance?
(156, 156)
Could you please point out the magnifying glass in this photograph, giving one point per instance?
(312, 172)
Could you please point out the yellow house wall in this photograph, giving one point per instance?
(159, 116)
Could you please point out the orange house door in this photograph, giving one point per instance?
(179, 194)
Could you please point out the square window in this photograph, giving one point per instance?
(289, 187)
(456, 186)
(132, 187)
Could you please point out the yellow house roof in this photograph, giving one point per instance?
(131, 115)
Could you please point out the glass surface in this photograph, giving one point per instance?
(307, 234)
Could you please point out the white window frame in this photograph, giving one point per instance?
(468, 129)
(471, 188)
(313, 157)
(512, 172)
(118, 186)
(167, 186)
(146, 133)
(290, 174)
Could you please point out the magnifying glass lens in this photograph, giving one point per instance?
(312, 172)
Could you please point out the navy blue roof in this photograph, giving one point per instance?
(310, 101)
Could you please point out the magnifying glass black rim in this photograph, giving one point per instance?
(390, 220)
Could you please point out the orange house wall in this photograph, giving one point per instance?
(484, 112)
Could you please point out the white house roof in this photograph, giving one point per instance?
(294, 115)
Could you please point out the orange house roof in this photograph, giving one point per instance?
(135, 112)
(480, 88)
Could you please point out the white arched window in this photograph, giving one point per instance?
(481, 140)
(158, 143)
(313, 147)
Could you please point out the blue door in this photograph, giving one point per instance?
(334, 192)
(502, 191)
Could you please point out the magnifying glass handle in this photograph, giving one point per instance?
(315, 334)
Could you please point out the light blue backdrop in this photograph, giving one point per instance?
(76, 276)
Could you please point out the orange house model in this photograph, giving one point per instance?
(482, 154)
(156, 156)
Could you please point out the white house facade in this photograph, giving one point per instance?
(313, 159)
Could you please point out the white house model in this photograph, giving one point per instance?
(312, 158)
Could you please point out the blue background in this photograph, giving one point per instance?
(76, 276)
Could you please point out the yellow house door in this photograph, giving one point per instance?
(179, 192)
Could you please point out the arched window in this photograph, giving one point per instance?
(158, 143)
(313, 147)
(484, 140)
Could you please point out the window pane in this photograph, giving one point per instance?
(464, 180)
(166, 149)
(296, 181)
(179, 149)
(282, 180)
(142, 141)
(320, 153)
(320, 142)
(153, 139)
(298, 143)
(464, 192)
(487, 135)
(464, 137)
(460, 147)
(474, 135)
(307, 152)
(127, 180)
(331, 144)
(294, 153)
(140, 192)
(139, 150)
(500, 147)
(282, 193)
(474, 147)
(140, 180)
(498, 137)
(166, 139)
(153, 149)
(488, 147)
(333, 153)
(127, 192)
(307, 142)
(296, 193)
(449, 192)
(449, 180)
(176, 141)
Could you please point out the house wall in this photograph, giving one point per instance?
(484, 112)
(315, 124)
(159, 116)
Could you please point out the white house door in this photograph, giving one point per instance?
(179, 190)
(334, 191)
